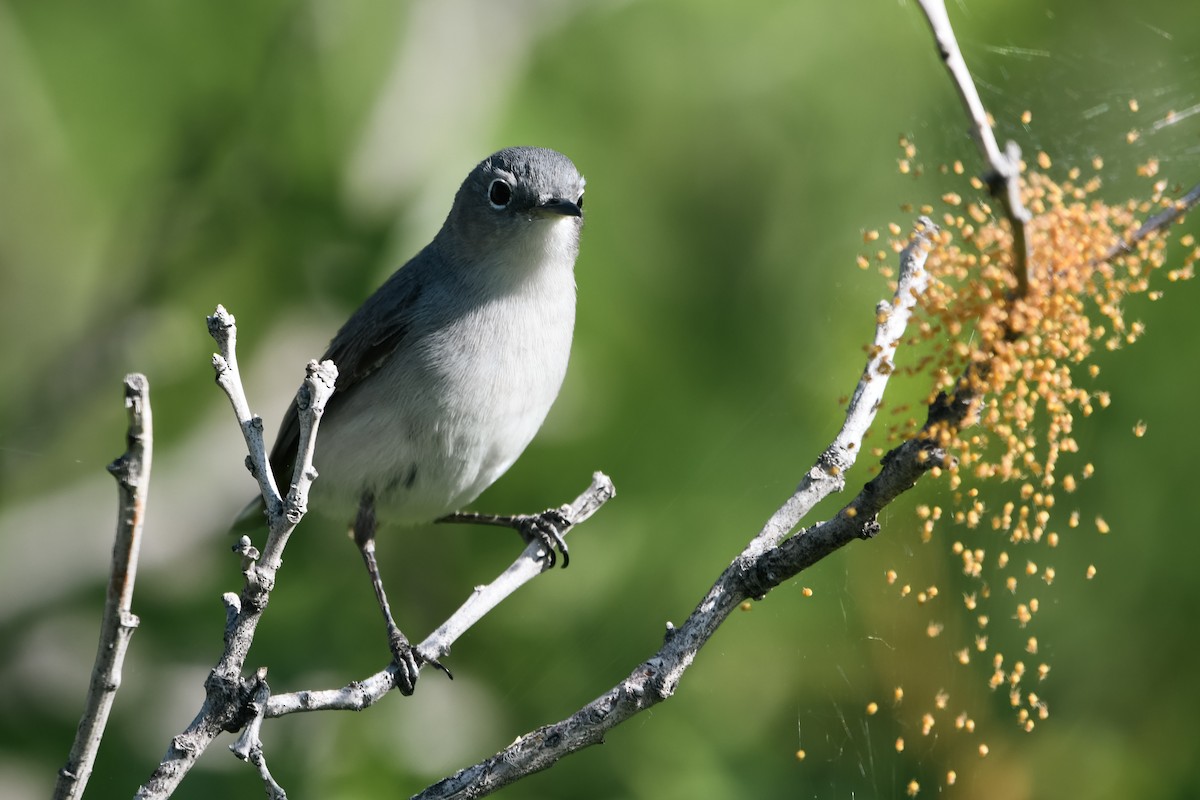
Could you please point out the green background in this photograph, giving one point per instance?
(281, 158)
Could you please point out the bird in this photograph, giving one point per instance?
(448, 370)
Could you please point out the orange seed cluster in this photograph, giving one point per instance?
(1027, 364)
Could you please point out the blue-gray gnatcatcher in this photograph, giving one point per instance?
(448, 370)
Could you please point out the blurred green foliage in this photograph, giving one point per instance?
(282, 157)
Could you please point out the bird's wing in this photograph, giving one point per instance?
(364, 343)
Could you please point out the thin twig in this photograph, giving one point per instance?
(761, 566)
(1156, 223)
(828, 474)
(1004, 179)
(318, 385)
(360, 694)
(132, 473)
(222, 327)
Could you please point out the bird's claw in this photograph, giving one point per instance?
(546, 529)
(408, 660)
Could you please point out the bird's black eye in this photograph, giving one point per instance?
(579, 202)
(499, 193)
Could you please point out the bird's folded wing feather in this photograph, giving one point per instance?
(362, 345)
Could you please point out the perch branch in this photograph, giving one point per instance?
(762, 565)
(360, 694)
(132, 473)
(1004, 175)
(1156, 223)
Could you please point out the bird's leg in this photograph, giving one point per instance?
(545, 528)
(405, 656)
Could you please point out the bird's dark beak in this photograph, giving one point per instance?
(557, 205)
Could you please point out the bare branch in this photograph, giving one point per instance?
(828, 474)
(761, 566)
(360, 694)
(318, 386)
(228, 703)
(1156, 223)
(528, 566)
(132, 472)
(1004, 178)
(223, 328)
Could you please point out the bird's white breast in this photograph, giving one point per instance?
(466, 391)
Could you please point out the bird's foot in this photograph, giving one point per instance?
(546, 528)
(408, 660)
